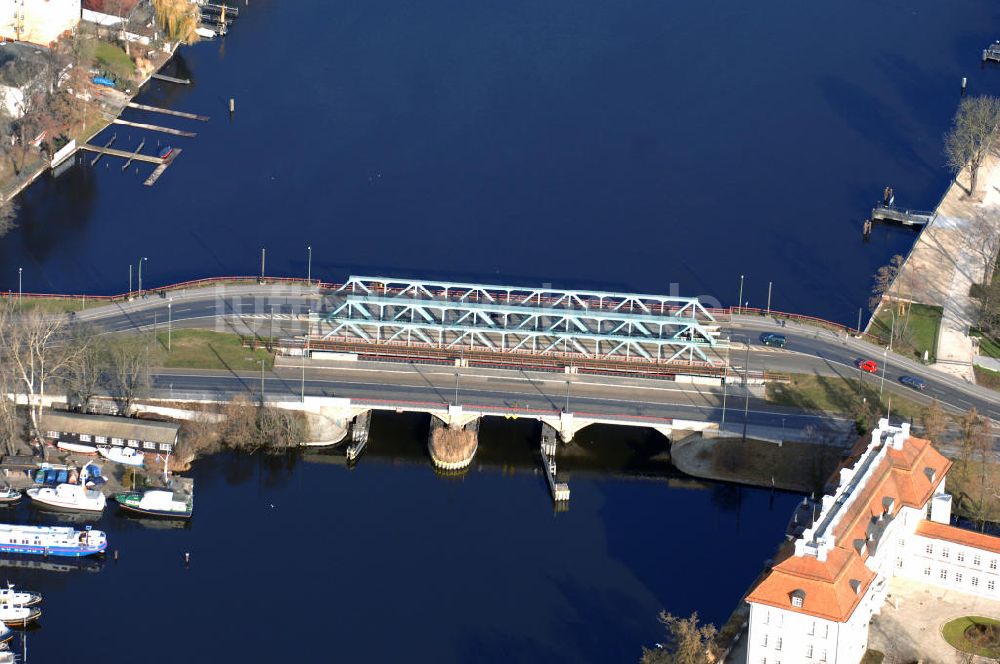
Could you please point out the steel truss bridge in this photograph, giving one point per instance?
(514, 320)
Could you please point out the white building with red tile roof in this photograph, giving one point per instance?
(887, 517)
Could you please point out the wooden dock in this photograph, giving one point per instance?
(359, 436)
(560, 490)
(124, 154)
(906, 217)
(992, 52)
(171, 79)
(167, 111)
(93, 162)
(165, 130)
(128, 161)
(164, 163)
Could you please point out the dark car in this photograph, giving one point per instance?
(771, 339)
(913, 381)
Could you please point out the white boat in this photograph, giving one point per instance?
(18, 616)
(78, 448)
(125, 455)
(71, 497)
(18, 598)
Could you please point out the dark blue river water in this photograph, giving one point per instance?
(298, 560)
(633, 145)
(621, 145)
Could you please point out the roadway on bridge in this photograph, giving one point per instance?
(809, 349)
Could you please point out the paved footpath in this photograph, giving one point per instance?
(953, 252)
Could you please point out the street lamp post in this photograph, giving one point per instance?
(261, 382)
(769, 298)
(20, 293)
(567, 396)
(309, 270)
(746, 389)
(739, 302)
(143, 260)
(130, 281)
(725, 387)
(170, 321)
(458, 371)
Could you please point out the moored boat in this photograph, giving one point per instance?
(165, 152)
(18, 597)
(157, 502)
(18, 616)
(78, 448)
(9, 495)
(72, 497)
(51, 540)
(5, 635)
(123, 455)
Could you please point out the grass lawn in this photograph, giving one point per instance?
(204, 349)
(52, 305)
(954, 633)
(987, 346)
(922, 322)
(838, 395)
(115, 60)
(987, 378)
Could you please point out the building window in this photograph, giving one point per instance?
(117, 441)
(767, 617)
(164, 447)
(797, 601)
(977, 560)
(944, 575)
(812, 628)
(53, 434)
(899, 563)
(809, 651)
(826, 634)
(84, 437)
(944, 552)
(822, 655)
(927, 571)
(101, 439)
(958, 577)
(133, 443)
(991, 585)
(993, 563)
(149, 446)
(960, 556)
(975, 582)
(763, 643)
(777, 643)
(901, 542)
(929, 549)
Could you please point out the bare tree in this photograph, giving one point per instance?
(883, 280)
(10, 425)
(934, 421)
(8, 216)
(971, 136)
(688, 642)
(130, 361)
(34, 349)
(84, 375)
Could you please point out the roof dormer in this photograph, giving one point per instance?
(798, 598)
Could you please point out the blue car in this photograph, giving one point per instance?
(771, 339)
(914, 382)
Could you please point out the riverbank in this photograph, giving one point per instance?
(802, 467)
(112, 103)
(954, 252)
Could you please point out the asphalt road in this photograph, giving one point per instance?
(808, 350)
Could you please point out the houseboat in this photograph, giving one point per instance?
(51, 540)
(157, 502)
